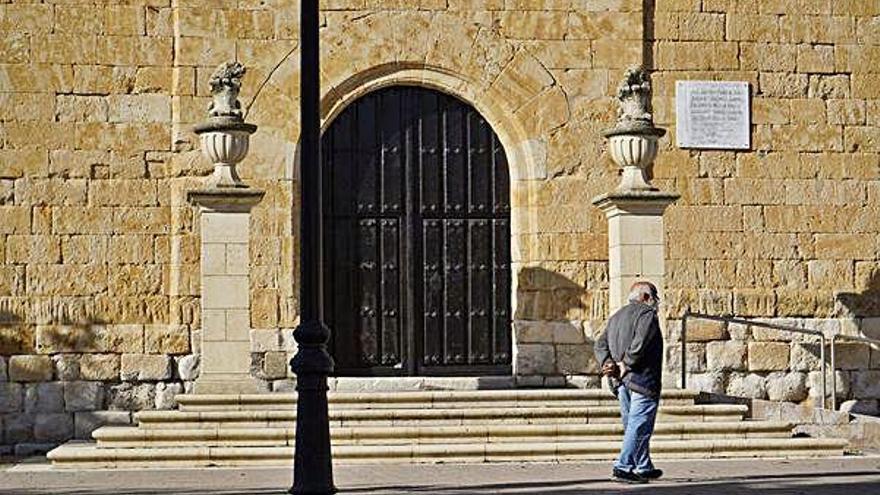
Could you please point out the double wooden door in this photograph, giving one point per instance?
(416, 237)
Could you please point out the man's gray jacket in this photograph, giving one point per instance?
(633, 337)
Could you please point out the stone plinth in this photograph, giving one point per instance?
(225, 233)
(635, 239)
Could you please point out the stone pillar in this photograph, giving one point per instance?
(225, 232)
(225, 205)
(635, 240)
(635, 209)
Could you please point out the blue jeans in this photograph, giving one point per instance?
(638, 413)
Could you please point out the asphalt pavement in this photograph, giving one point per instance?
(836, 476)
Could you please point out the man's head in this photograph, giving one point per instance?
(644, 292)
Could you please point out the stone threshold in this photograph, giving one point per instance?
(427, 383)
(420, 383)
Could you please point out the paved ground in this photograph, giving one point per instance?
(840, 476)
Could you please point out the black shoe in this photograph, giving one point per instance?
(651, 474)
(628, 477)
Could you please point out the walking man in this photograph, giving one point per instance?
(631, 352)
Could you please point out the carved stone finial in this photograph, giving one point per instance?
(224, 135)
(632, 142)
(634, 97)
(225, 84)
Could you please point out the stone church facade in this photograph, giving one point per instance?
(100, 250)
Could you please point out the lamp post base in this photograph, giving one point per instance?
(313, 468)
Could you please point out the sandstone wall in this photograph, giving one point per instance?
(99, 273)
(789, 230)
(99, 252)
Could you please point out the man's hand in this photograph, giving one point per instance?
(610, 369)
(622, 368)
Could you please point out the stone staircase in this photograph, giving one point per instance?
(432, 427)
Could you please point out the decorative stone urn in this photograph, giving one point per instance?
(632, 142)
(225, 136)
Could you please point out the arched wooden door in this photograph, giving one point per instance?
(417, 237)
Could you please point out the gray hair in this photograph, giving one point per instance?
(644, 292)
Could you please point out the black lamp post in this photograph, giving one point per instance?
(312, 467)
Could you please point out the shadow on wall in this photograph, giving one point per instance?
(864, 304)
(63, 333)
(68, 328)
(557, 317)
(12, 340)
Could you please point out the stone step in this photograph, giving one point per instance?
(87, 455)
(128, 437)
(431, 417)
(424, 399)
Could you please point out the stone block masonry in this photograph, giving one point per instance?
(101, 257)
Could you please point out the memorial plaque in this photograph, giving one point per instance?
(712, 114)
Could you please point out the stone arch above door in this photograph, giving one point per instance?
(516, 94)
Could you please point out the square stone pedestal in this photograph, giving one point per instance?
(225, 267)
(635, 240)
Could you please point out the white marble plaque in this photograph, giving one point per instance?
(712, 114)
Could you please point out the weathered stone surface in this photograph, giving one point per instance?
(30, 368)
(187, 367)
(762, 333)
(265, 340)
(99, 367)
(727, 356)
(814, 381)
(546, 332)
(582, 381)
(573, 359)
(3, 375)
(535, 359)
(165, 394)
(53, 427)
(568, 332)
(139, 367)
(131, 397)
(747, 385)
(866, 384)
(703, 330)
(749, 302)
(791, 387)
(67, 280)
(18, 428)
(67, 366)
(85, 423)
(712, 382)
(34, 249)
(92, 338)
(44, 398)
(275, 365)
(140, 108)
(528, 332)
(284, 386)
(852, 355)
(166, 339)
(83, 396)
(768, 356)
(868, 407)
(10, 397)
(805, 357)
(696, 357)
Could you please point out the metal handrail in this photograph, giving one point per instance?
(727, 319)
(834, 338)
